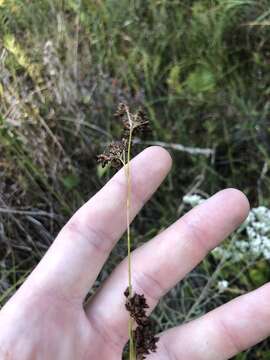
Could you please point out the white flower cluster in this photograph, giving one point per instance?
(252, 240)
(193, 199)
(257, 226)
(253, 237)
(222, 285)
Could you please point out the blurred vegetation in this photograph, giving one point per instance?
(201, 70)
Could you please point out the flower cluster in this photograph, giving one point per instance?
(131, 121)
(144, 338)
(193, 199)
(253, 237)
(257, 228)
(222, 285)
(116, 152)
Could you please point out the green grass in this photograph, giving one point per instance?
(201, 68)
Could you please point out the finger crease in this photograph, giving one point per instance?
(236, 347)
(197, 235)
(107, 333)
(97, 239)
(149, 285)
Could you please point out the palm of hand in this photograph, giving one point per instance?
(46, 318)
(52, 328)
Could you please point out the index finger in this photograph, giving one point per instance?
(74, 260)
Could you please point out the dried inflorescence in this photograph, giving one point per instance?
(136, 122)
(144, 338)
(132, 123)
(118, 154)
(114, 154)
(136, 305)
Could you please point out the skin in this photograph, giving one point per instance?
(46, 318)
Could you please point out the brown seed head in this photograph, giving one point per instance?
(132, 121)
(145, 340)
(113, 154)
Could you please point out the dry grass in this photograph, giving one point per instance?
(202, 70)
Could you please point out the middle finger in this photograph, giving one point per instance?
(159, 264)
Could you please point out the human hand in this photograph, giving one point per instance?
(46, 318)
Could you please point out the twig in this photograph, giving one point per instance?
(26, 212)
(194, 187)
(208, 284)
(179, 147)
(262, 176)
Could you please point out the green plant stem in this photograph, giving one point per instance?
(132, 352)
(128, 174)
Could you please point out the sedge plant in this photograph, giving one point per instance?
(141, 338)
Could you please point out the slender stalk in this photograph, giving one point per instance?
(128, 174)
(132, 352)
(116, 154)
